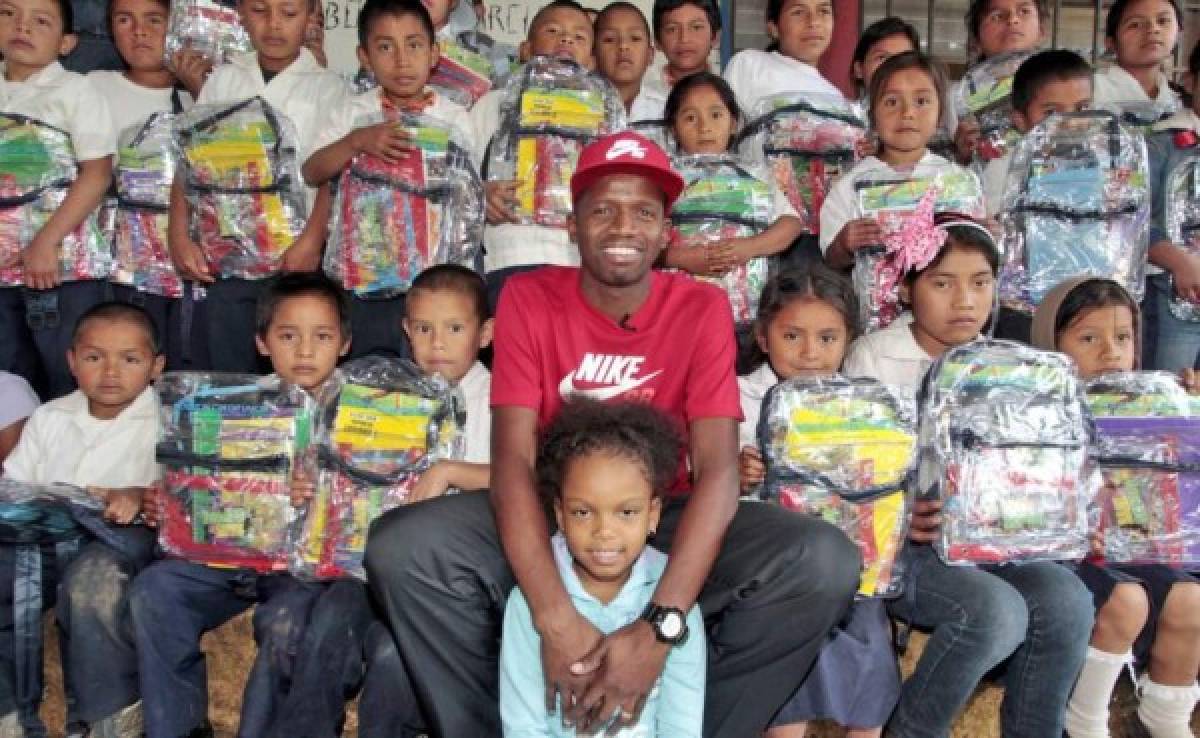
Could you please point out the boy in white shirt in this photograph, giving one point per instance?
(101, 436)
(397, 45)
(686, 31)
(287, 75)
(624, 51)
(61, 280)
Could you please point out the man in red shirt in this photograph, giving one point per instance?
(771, 583)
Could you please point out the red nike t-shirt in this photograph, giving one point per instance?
(676, 352)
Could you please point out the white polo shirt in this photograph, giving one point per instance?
(753, 388)
(132, 104)
(891, 355)
(369, 106)
(476, 387)
(754, 74)
(1113, 85)
(63, 444)
(64, 100)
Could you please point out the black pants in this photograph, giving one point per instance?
(229, 326)
(780, 583)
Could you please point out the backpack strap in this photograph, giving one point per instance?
(27, 628)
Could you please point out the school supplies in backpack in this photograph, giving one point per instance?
(242, 181)
(1181, 200)
(380, 430)
(142, 176)
(984, 94)
(392, 219)
(462, 74)
(37, 168)
(552, 108)
(230, 446)
(807, 141)
(843, 450)
(890, 198)
(724, 200)
(1005, 434)
(1077, 203)
(210, 27)
(1148, 449)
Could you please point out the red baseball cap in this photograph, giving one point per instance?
(626, 152)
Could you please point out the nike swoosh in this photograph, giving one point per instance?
(567, 387)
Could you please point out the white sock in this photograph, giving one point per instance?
(1087, 711)
(1166, 711)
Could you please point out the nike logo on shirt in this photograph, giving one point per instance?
(611, 374)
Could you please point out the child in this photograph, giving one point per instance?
(623, 54)
(283, 72)
(1169, 341)
(800, 31)
(703, 115)
(806, 320)
(1142, 35)
(907, 94)
(38, 320)
(303, 326)
(397, 45)
(996, 27)
(560, 29)
(879, 42)
(686, 31)
(605, 466)
(101, 436)
(17, 403)
(448, 324)
(1151, 611)
(144, 88)
(1037, 616)
(1056, 81)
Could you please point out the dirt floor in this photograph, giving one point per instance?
(231, 650)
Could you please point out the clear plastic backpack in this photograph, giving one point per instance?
(984, 94)
(242, 180)
(1148, 450)
(463, 72)
(807, 141)
(231, 444)
(391, 220)
(1182, 199)
(1005, 434)
(379, 431)
(886, 196)
(1077, 203)
(211, 27)
(844, 450)
(723, 199)
(37, 167)
(552, 109)
(142, 175)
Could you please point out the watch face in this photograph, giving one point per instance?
(671, 625)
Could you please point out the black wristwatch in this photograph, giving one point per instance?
(669, 623)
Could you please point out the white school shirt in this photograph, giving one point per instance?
(753, 387)
(648, 105)
(64, 100)
(891, 355)
(476, 387)
(365, 105)
(1115, 85)
(841, 206)
(754, 74)
(63, 443)
(132, 104)
(508, 244)
(17, 399)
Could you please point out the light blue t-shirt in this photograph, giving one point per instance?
(675, 707)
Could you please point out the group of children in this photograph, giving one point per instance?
(131, 625)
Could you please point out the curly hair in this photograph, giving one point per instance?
(633, 431)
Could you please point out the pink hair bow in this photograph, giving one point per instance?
(912, 239)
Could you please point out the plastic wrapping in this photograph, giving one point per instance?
(1076, 203)
(43, 513)
(1182, 205)
(143, 173)
(37, 167)
(552, 108)
(242, 180)
(984, 94)
(880, 194)
(391, 220)
(230, 446)
(385, 426)
(724, 200)
(807, 142)
(1140, 115)
(462, 74)
(843, 449)
(1005, 434)
(1148, 450)
(210, 27)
